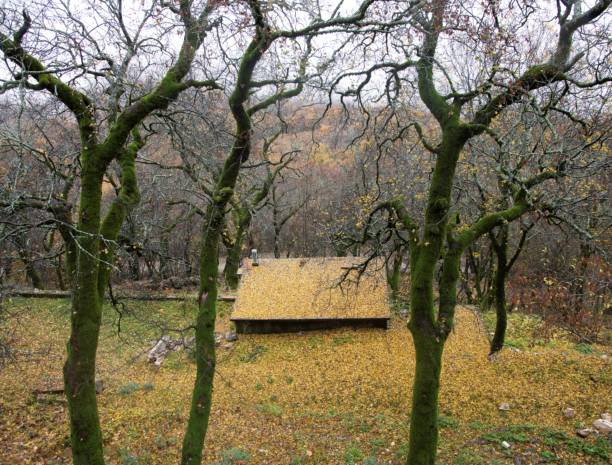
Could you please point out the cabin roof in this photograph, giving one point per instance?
(311, 289)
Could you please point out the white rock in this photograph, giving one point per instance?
(583, 433)
(159, 352)
(569, 412)
(505, 445)
(606, 416)
(603, 426)
(504, 406)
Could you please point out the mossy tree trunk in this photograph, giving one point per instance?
(394, 272)
(500, 245)
(79, 369)
(443, 237)
(242, 221)
(90, 243)
(481, 277)
(96, 242)
(213, 223)
(430, 333)
(212, 228)
(243, 212)
(501, 273)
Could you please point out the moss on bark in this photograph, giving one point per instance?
(424, 414)
(242, 218)
(201, 401)
(80, 366)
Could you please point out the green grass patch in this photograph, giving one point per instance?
(467, 457)
(233, 456)
(270, 408)
(445, 421)
(514, 433)
(584, 348)
(128, 388)
(252, 354)
(342, 339)
(601, 448)
(352, 455)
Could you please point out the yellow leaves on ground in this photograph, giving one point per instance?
(310, 288)
(317, 398)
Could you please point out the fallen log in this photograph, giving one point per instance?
(36, 293)
(53, 294)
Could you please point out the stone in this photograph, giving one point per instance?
(99, 386)
(231, 336)
(218, 338)
(166, 344)
(603, 426)
(606, 416)
(569, 412)
(504, 406)
(159, 351)
(189, 343)
(505, 444)
(585, 432)
(229, 345)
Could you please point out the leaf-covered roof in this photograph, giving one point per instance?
(311, 288)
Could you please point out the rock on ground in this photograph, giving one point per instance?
(603, 426)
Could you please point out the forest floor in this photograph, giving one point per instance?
(334, 397)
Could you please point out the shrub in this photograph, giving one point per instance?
(129, 388)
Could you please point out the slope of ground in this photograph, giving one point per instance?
(337, 397)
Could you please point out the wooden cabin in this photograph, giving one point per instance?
(300, 294)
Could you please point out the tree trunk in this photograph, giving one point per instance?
(164, 250)
(232, 263)
(501, 273)
(424, 415)
(277, 231)
(429, 331)
(428, 349)
(91, 278)
(212, 228)
(26, 258)
(59, 272)
(79, 369)
(394, 274)
(201, 399)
